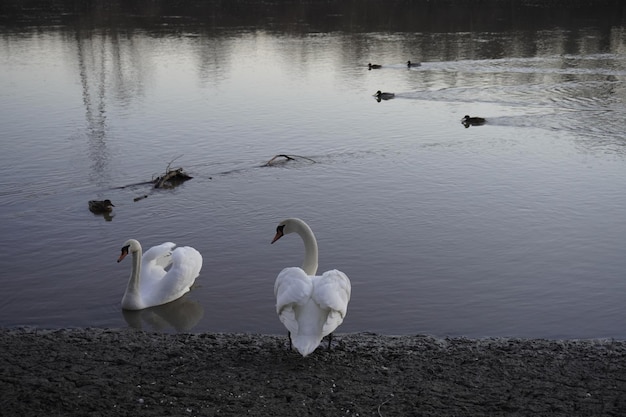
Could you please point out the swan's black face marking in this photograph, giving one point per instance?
(280, 232)
(124, 253)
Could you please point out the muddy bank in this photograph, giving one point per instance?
(97, 372)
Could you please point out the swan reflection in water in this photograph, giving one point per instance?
(180, 315)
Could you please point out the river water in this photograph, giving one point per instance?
(513, 228)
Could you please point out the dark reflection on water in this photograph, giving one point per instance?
(323, 16)
(444, 30)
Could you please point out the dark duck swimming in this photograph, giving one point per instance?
(472, 121)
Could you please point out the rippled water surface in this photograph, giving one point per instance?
(514, 228)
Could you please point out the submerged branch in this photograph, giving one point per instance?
(273, 161)
(174, 177)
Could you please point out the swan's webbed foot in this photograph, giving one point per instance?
(330, 339)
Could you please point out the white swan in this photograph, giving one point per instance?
(309, 306)
(150, 284)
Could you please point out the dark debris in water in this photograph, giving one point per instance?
(283, 158)
(171, 179)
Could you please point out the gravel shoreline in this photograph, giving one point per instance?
(98, 372)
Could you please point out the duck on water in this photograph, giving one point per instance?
(472, 121)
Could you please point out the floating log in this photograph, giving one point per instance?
(174, 177)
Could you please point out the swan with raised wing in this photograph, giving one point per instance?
(310, 306)
(161, 275)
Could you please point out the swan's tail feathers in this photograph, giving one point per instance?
(305, 344)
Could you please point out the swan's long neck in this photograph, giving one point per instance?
(133, 281)
(309, 265)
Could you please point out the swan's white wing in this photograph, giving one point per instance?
(292, 288)
(332, 291)
(153, 264)
(160, 255)
(163, 286)
(186, 266)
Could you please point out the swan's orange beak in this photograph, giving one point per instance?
(279, 234)
(123, 254)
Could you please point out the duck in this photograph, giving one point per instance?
(373, 66)
(410, 64)
(383, 96)
(310, 306)
(472, 121)
(159, 276)
(100, 206)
